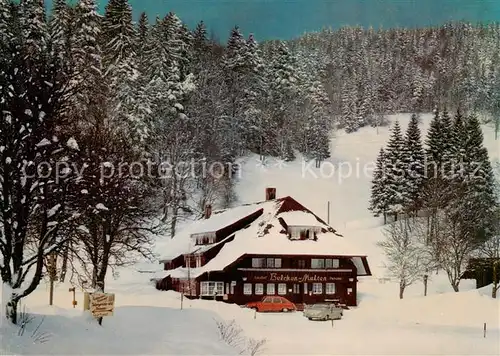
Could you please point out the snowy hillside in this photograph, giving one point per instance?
(147, 321)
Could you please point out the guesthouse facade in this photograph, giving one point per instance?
(275, 247)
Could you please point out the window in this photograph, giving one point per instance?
(302, 263)
(277, 300)
(331, 263)
(330, 288)
(233, 284)
(328, 263)
(259, 289)
(317, 263)
(198, 261)
(317, 288)
(266, 262)
(211, 288)
(305, 288)
(247, 288)
(268, 300)
(282, 288)
(258, 262)
(271, 289)
(296, 289)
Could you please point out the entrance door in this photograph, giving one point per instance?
(297, 293)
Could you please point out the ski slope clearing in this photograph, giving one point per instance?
(147, 321)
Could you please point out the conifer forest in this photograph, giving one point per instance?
(90, 101)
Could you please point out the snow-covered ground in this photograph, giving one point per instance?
(147, 321)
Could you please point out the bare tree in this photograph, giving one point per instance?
(489, 255)
(114, 206)
(453, 246)
(404, 254)
(490, 252)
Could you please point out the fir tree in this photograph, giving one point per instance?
(318, 126)
(89, 83)
(118, 33)
(479, 178)
(59, 26)
(435, 148)
(235, 52)
(395, 170)
(413, 160)
(349, 118)
(142, 38)
(379, 201)
(200, 35)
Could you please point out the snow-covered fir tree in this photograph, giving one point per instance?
(396, 171)
(414, 161)
(284, 92)
(379, 200)
(318, 125)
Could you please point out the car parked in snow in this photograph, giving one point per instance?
(272, 304)
(323, 311)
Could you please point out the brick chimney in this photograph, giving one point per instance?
(270, 193)
(208, 211)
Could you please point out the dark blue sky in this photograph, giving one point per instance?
(284, 19)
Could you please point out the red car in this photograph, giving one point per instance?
(272, 304)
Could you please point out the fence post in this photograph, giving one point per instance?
(484, 330)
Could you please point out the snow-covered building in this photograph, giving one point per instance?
(274, 247)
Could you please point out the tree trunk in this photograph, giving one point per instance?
(402, 287)
(425, 285)
(455, 286)
(64, 267)
(173, 222)
(11, 309)
(495, 283)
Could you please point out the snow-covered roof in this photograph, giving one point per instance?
(264, 237)
(182, 242)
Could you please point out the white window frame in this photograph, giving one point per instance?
(198, 261)
(259, 289)
(330, 288)
(270, 287)
(317, 288)
(208, 288)
(281, 288)
(247, 288)
(321, 265)
(336, 263)
(258, 262)
(277, 262)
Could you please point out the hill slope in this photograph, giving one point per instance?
(149, 321)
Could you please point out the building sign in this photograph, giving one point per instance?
(102, 304)
(304, 278)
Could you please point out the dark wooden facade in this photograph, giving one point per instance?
(484, 270)
(294, 277)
